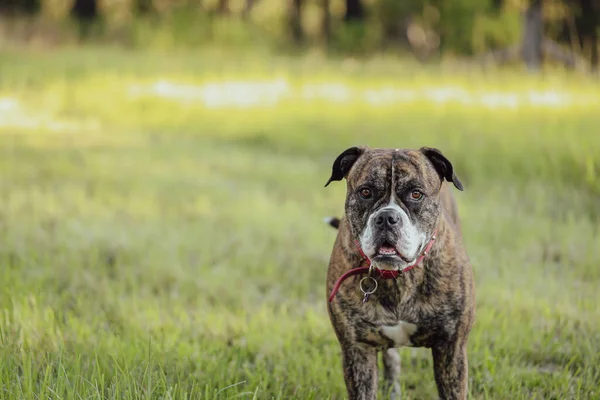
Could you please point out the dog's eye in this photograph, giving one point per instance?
(365, 193)
(416, 195)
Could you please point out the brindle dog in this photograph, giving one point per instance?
(396, 200)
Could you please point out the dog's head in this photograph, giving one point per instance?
(393, 199)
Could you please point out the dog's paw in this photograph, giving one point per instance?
(332, 221)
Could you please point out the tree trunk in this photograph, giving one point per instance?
(85, 13)
(295, 21)
(248, 9)
(354, 11)
(223, 7)
(497, 4)
(144, 7)
(533, 36)
(587, 29)
(326, 22)
(594, 43)
(85, 10)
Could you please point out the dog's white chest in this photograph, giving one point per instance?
(400, 333)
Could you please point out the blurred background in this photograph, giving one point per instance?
(498, 31)
(162, 166)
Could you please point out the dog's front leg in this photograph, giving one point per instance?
(450, 367)
(391, 373)
(360, 371)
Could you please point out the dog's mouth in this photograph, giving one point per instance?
(387, 250)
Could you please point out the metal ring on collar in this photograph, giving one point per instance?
(365, 291)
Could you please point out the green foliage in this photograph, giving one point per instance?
(393, 14)
(496, 31)
(186, 29)
(355, 38)
(156, 248)
(456, 22)
(449, 27)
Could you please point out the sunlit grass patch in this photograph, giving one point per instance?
(153, 247)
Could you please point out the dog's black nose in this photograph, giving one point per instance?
(387, 218)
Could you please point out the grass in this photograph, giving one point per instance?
(156, 249)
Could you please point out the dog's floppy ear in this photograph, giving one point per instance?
(343, 163)
(442, 165)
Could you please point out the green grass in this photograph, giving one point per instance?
(163, 250)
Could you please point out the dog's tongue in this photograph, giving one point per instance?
(387, 250)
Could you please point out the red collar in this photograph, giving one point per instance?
(379, 273)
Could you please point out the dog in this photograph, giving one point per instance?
(399, 274)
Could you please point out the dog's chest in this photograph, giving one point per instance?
(386, 334)
(384, 328)
(399, 333)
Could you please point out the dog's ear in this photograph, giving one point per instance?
(343, 163)
(442, 165)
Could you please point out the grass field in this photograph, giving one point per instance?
(158, 248)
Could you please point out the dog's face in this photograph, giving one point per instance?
(392, 200)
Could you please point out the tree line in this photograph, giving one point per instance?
(499, 31)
